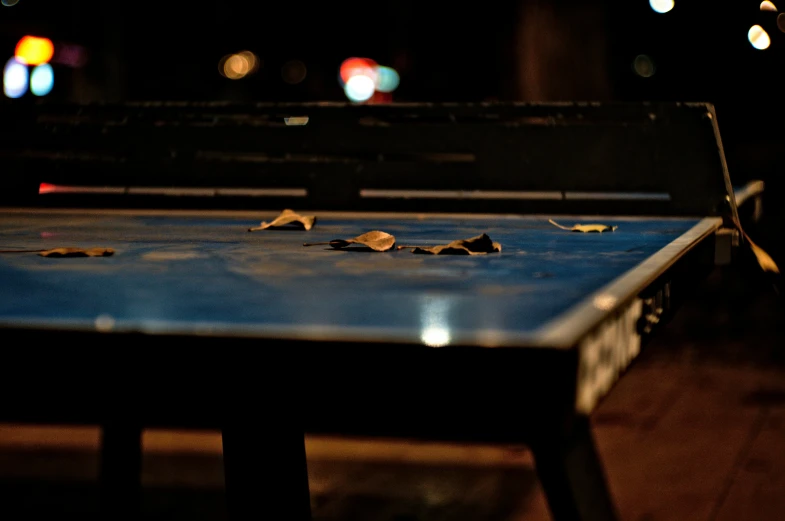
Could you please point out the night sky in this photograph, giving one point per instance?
(171, 49)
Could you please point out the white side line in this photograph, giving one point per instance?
(459, 194)
(263, 192)
(617, 196)
(515, 194)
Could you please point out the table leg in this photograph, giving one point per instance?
(572, 477)
(120, 474)
(265, 473)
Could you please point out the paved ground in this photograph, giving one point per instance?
(695, 430)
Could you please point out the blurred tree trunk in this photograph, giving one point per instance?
(561, 51)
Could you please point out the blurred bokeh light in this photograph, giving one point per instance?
(360, 88)
(767, 6)
(10, 3)
(363, 79)
(33, 50)
(15, 78)
(758, 37)
(293, 72)
(237, 66)
(644, 66)
(387, 79)
(661, 6)
(70, 55)
(357, 67)
(42, 80)
(252, 59)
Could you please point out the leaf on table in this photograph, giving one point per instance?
(375, 240)
(77, 252)
(585, 228)
(288, 217)
(480, 245)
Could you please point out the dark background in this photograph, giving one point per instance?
(695, 378)
(528, 50)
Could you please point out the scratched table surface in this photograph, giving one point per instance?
(205, 273)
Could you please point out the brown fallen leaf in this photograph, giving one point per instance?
(480, 245)
(288, 217)
(375, 240)
(585, 228)
(764, 259)
(77, 252)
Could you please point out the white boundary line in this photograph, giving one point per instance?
(512, 194)
(459, 194)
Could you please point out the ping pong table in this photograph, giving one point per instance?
(195, 322)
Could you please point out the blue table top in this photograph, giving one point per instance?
(205, 273)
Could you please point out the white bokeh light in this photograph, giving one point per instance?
(15, 78)
(759, 38)
(360, 88)
(661, 6)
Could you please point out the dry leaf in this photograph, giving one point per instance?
(764, 259)
(586, 228)
(375, 240)
(288, 217)
(77, 252)
(479, 245)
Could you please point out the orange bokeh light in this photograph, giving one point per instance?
(33, 50)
